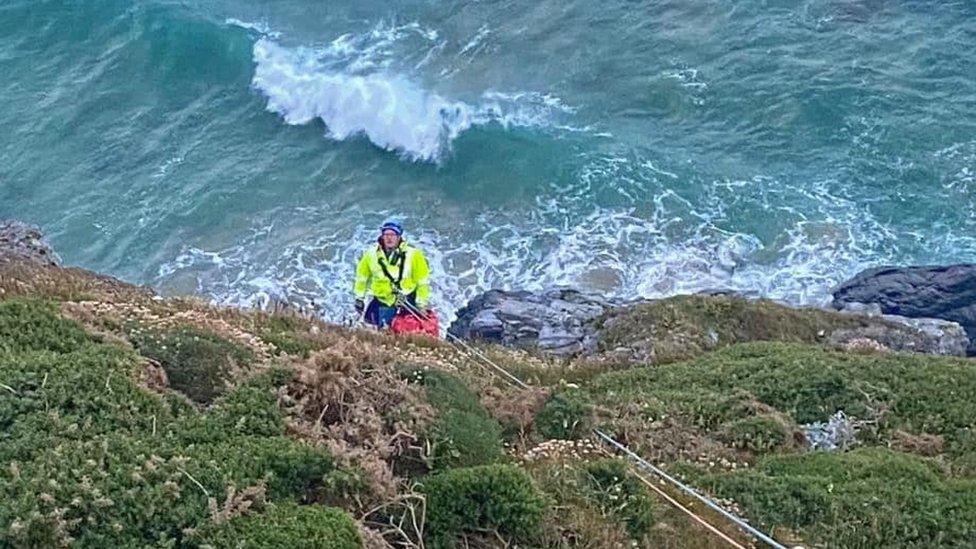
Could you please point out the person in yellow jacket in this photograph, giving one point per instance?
(394, 273)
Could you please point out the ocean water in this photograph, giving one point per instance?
(244, 149)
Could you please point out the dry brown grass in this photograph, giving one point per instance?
(350, 398)
(25, 278)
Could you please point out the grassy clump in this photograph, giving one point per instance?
(565, 415)
(909, 392)
(33, 324)
(759, 434)
(198, 363)
(88, 457)
(479, 500)
(464, 433)
(871, 497)
(286, 525)
(287, 334)
(684, 327)
(574, 512)
(620, 494)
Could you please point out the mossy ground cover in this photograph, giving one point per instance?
(88, 457)
(463, 434)
(482, 502)
(684, 327)
(804, 383)
(869, 497)
(198, 363)
(286, 525)
(751, 397)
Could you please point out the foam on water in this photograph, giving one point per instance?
(352, 87)
(679, 246)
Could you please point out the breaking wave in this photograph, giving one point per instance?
(394, 112)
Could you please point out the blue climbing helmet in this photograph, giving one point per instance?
(392, 225)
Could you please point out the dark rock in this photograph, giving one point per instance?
(22, 241)
(947, 293)
(553, 321)
(566, 322)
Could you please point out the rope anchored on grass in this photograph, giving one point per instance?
(466, 349)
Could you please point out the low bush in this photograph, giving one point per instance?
(683, 327)
(198, 363)
(464, 433)
(89, 458)
(484, 499)
(871, 497)
(34, 324)
(759, 434)
(286, 525)
(620, 495)
(566, 415)
(286, 333)
(911, 392)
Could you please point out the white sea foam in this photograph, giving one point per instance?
(671, 245)
(350, 86)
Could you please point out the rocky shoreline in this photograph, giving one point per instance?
(923, 309)
(928, 309)
(19, 240)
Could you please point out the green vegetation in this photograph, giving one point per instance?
(91, 457)
(35, 325)
(687, 326)
(489, 499)
(758, 434)
(908, 392)
(620, 494)
(464, 433)
(872, 497)
(287, 334)
(564, 416)
(88, 457)
(286, 525)
(198, 363)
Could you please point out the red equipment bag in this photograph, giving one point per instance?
(406, 322)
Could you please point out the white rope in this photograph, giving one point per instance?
(690, 491)
(419, 315)
(687, 511)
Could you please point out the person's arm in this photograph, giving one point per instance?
(421, 274)
(362, 277)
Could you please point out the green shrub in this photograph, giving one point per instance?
(564, 416)
(620, 494)
(685, 326)
(33, 325)
(871, 497)
(197, 362)
(464, 433)
(87, 457)
(481, 499)
(286, 334)
(919, 394)
(286, 525)
(252, 408)
(760, 434)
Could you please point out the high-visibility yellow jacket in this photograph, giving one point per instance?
(406, 265)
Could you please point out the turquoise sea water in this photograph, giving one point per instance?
(245, 148)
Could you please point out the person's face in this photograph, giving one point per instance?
(390, 239)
